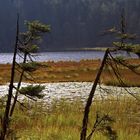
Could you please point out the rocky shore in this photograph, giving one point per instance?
(71, 91)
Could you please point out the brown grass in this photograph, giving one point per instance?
(85, 70)
(63, 121)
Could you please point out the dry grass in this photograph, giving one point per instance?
(64, 119)
(85, 70)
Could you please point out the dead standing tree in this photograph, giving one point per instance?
(25, 45)
(118, 46)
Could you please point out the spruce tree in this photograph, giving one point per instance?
(26, 44)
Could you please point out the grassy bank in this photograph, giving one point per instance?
(64, 119)
(85, 70)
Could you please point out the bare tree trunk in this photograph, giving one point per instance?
(18, 87)
(89, 101)
(5, 121)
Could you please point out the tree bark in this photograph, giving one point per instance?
(5, 121)
(18, 87)
(89, 101)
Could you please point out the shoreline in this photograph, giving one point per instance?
(76, 90)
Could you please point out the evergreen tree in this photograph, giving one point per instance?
(26, 44)
(121, 45)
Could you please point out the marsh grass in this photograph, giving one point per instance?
(63, 119)
(84, 70)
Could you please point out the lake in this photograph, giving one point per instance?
(61, 56)
(56, 56)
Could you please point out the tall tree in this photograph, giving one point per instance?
(111, 61)
(25, 45)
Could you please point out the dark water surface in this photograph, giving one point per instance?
(56, 56)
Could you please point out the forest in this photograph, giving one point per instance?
(74, 23)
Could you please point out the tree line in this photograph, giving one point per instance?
(75, 23)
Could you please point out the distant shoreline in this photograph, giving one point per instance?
(77, 49)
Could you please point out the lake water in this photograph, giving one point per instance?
(56, 56)
(61, 56)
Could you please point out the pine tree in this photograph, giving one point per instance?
(108, 59)
(26, 44)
